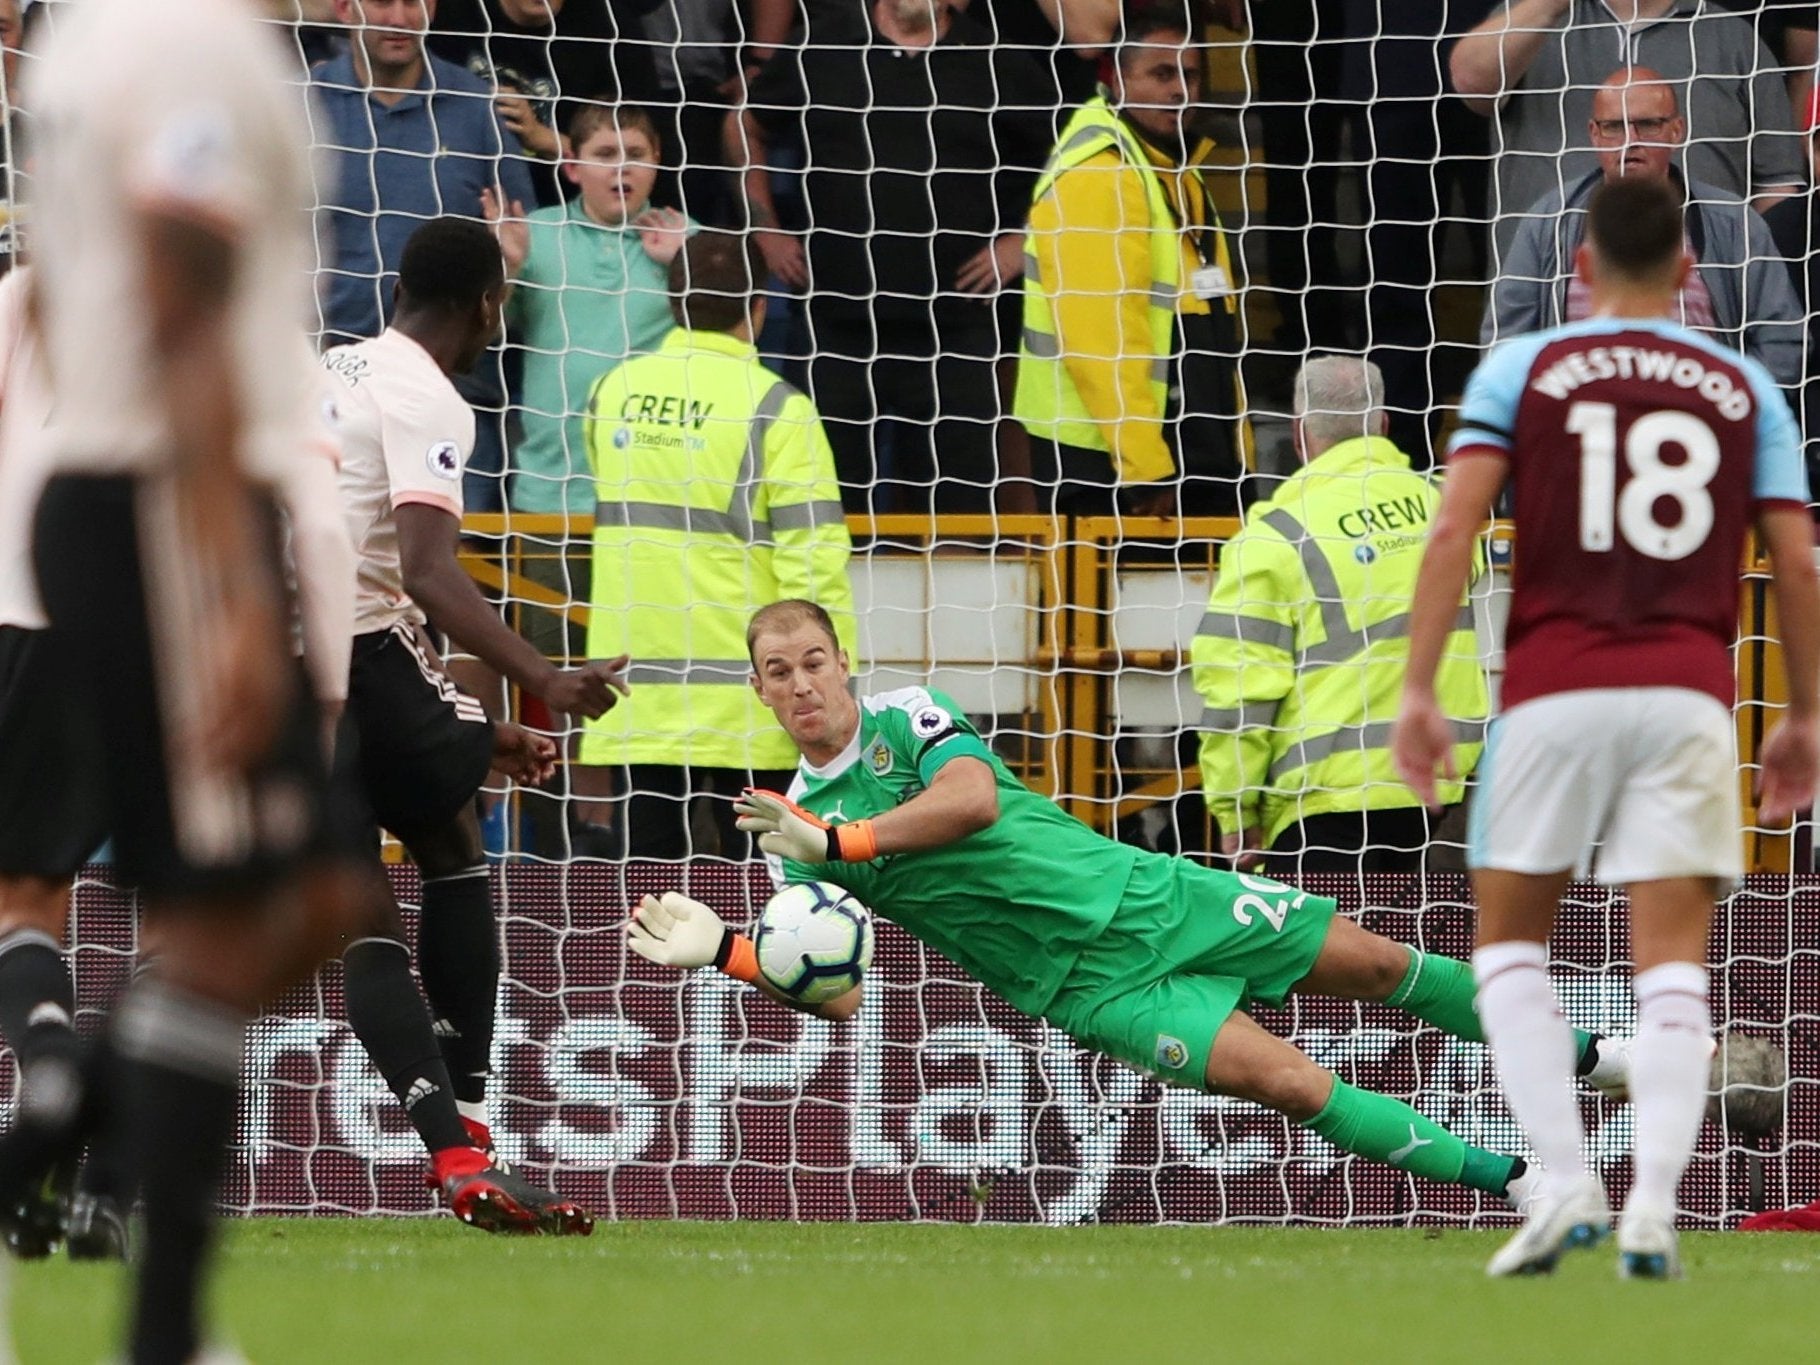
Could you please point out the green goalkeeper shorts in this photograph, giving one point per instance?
(1186, 947)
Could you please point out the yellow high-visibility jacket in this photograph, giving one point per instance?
(716, 495)
(1107, 264)
(1301, 654)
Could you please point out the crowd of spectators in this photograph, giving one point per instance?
(885, 156)
(999, 273)
(996, 266)
(925, 141)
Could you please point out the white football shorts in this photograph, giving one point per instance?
(1648, 775)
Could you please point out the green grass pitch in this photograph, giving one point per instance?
(397, 1292)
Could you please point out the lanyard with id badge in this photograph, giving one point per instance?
(1209, 281)
(1203, 397)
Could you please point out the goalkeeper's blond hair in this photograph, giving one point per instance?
(787, 615)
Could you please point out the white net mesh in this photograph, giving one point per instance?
(1345, 196)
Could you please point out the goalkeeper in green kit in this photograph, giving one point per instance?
(1147, 958)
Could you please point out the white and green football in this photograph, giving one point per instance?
(814, 941)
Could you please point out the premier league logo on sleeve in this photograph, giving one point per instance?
(444, 460)
(930, 721)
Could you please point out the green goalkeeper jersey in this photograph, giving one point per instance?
(1015, 903)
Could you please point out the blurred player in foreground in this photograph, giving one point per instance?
(45, 831)
(1150, 959)
(416, 746)
(49, 827)
(172, 249)
(1640, 453)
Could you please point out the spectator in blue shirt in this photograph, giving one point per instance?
(411, 137)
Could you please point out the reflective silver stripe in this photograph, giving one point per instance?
(768, 409)
(804, 516)
(1042, 344)
(1342, 642)
(1091, 133)
(1351, 644)
(1046, 347)
(1323, 586)
(1356, 739)
(1032, 268)
(665, 516)
(692, 671)
(1165, 295)
(752, 463)
(1250, 715)
(737, 520)
(1225, 625)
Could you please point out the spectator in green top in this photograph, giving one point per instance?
(592, 290)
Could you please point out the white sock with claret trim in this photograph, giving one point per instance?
(1534, 1051)
(1668, 1070)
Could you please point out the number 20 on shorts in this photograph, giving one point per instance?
(1270, 899)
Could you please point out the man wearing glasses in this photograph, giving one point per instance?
(1738, 292)
(1533, 66)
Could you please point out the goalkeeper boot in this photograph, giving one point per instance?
(1648, 1248)
(97, 1228)
(1607, 1066)
(556, 1216)
(1524, 1185)
(1560, 1220)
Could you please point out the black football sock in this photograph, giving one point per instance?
(37, 999)
(180, 1058)
(388, 1016)
(458, 959)
(108, 1170)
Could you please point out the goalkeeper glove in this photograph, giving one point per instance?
(787, 830)
(675, 931)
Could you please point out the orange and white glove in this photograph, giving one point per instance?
(673, 930)
(788, 831)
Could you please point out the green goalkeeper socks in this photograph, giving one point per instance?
(1390, 1131)
(1440, 991)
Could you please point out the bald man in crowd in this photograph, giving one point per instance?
(1738, 293)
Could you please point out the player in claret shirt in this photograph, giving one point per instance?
(1147, 958)
(1640, 453)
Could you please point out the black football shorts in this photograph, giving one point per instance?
(419, 748)
(130, 635)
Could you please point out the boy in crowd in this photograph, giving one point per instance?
(592, 277)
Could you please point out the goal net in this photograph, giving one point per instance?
(1351, 201)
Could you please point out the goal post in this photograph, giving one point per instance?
(1065, 638)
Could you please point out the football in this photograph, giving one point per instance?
(814, 941)
(1749, 1084)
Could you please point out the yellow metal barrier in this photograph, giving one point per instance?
(1076, 565)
